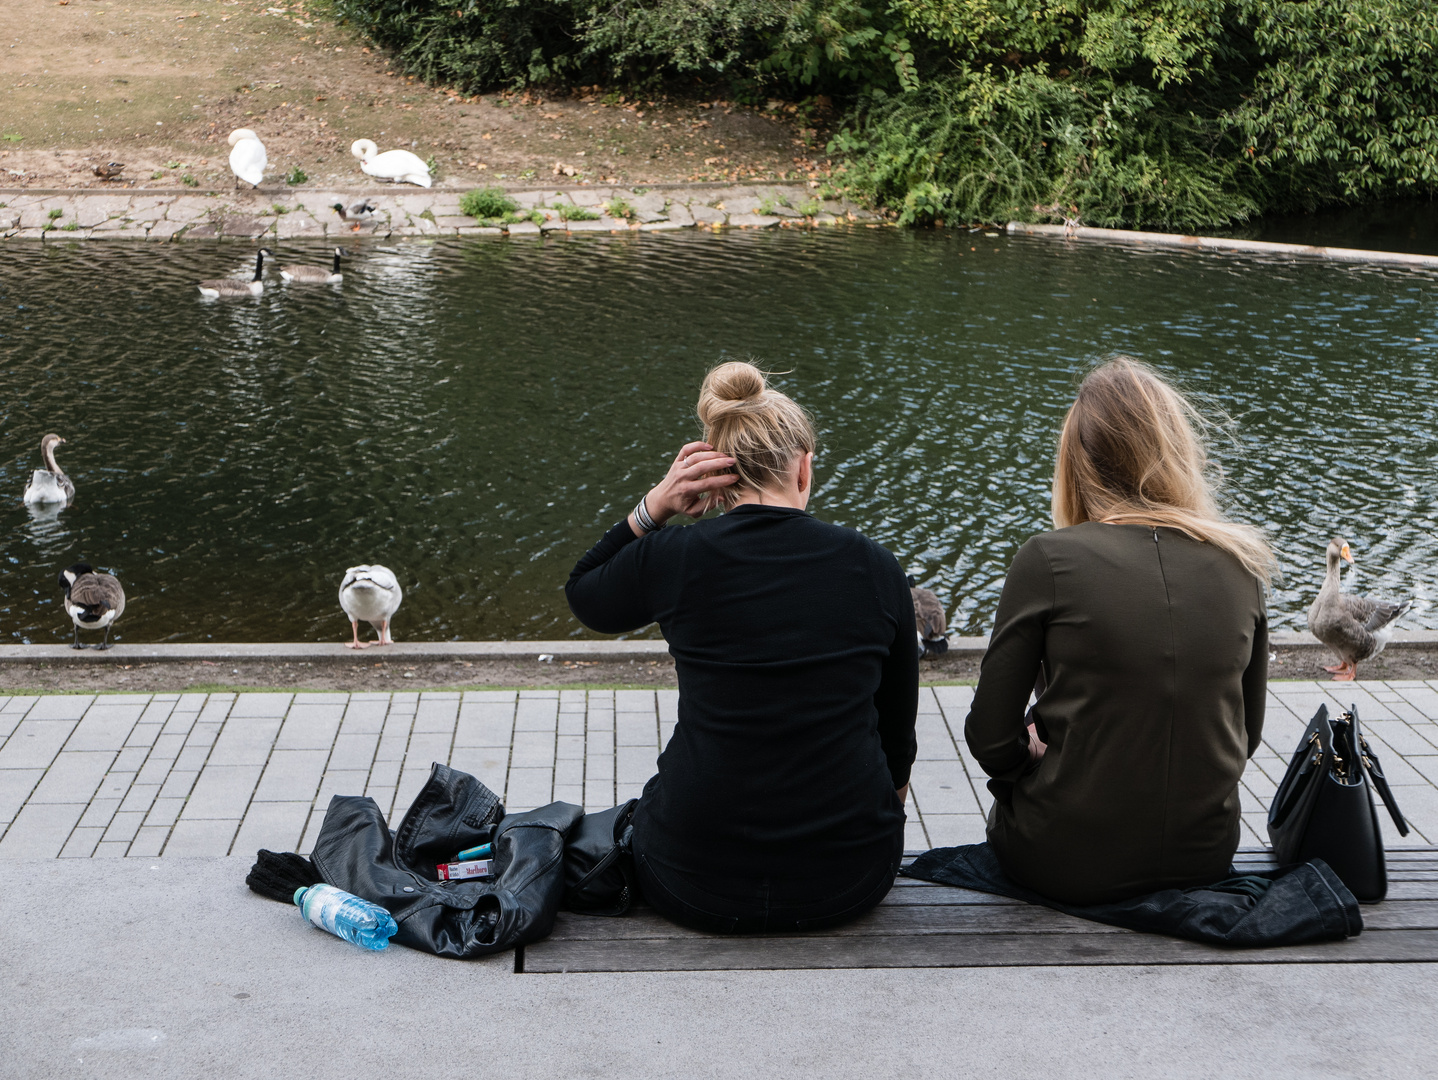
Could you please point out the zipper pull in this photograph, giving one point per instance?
(1155, 533)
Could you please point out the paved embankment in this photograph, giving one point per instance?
(409, 211)
(223, 773)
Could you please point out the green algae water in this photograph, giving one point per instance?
(475, 414)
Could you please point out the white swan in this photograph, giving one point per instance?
(248, 158)
(49, 485)
(392, 164)
(372, 594)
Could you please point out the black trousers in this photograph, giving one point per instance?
(738, 905)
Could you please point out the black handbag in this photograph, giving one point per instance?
(1324, 808)
(598, 863)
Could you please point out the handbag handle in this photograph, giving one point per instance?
(1374, 768)
(1375, 773)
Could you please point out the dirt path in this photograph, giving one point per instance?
(159, 84)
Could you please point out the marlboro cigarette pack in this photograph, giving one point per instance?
(459, 871)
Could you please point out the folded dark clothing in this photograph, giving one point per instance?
(1293, 905)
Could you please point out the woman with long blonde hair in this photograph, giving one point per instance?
(779, 802)
(1140, 622)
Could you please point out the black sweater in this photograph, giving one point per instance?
(797, 659)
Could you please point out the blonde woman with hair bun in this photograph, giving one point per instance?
(779, 801)
(1141, 625)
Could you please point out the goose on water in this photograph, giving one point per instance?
(930, 621)
(392, 164)
(49, 485)
(93, 601)
(1355, 627)
(355, 213)
(314, 275)
(370, 594)
(218, 287)
(248, 158)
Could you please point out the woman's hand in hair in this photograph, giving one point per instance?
(689, 486)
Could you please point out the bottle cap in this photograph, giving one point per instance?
(300, 893)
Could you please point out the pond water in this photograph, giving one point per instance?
(474, 414)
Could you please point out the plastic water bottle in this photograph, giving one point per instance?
(345, 915)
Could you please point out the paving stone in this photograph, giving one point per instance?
(149, 841)
(752, 221)
(124, 827)
(222, 791)
(81, 844)
(291, 776)
(278, 826)
(201, 838)
(245, 742)
(40, 830)
(523, 229)
(61, 707)
(73, 777)
(15, 788)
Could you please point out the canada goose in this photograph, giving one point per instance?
(356, 213)
(218, 287)
(109, 171)
(248, 158)
(1355, 627)
(49, 485)
(931, 622)
(93, 601)
(372, 594)
(392, 164)
(316, 275)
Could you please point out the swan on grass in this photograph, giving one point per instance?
(392, 164)
(314, 275)
(49, 486)
(370, 594)
(217, 287)
(248, 158)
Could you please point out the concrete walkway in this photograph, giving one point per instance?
(169, 967)
(212, 775)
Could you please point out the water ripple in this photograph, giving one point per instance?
(475, 414)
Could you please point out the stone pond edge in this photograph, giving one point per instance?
(303, 213)
(414, 651)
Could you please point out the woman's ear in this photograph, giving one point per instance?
(806, 471)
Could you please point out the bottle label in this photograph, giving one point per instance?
(459, 871)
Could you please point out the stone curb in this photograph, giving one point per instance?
(305, 213)
(1222, 244)
(489, 650)
(414, 651)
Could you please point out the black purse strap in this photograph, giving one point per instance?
(1374, 768)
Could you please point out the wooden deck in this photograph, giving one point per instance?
(920, 925)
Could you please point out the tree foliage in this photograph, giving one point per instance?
(1172, 113)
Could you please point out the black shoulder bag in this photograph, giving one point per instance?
(1324, 808)
(598, 863)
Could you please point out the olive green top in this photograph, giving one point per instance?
(1154, 648)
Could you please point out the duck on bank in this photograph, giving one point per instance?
(1355, 627)
(94, 601)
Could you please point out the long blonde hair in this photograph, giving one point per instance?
(1130, 453)
(762, 429)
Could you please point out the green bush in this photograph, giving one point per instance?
(570, 212)
(1174, 113)
(490, 202)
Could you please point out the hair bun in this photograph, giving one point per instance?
(736, 381)
(732, 387)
